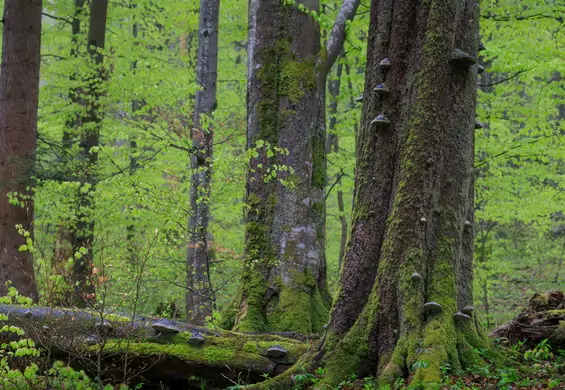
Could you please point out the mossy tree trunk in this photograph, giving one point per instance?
(19, 91)
(200, 295)
(284, 284)
(82, 234)
(413, 210)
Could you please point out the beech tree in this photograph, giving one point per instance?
(404, 305)
(284, 283)
(199, 290)
(82, 235)
(19, 92)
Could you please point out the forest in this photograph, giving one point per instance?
(282, 194)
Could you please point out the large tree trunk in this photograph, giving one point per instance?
(19, 92)
(413, 210)
(199, 296)
(284, 283)
(82, 236)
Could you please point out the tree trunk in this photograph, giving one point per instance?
(182, 358)
(83, 234)
(332, 144)
(200, 295)
(413, 210)
(58, 288)
(284, 283)
(19, 92)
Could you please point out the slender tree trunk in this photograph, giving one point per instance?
(83, 234)
(63, 248)
(333, 145)
(408, 266)
(284, 283)
(200, 295)
(19, 92)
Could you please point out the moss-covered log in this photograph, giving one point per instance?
(543, 318)
(138, 350)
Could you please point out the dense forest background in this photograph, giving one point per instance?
(140, 202)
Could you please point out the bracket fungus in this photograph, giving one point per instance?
(461, 59)
(461, 317)
(381, 89)
(385, 63)
(468, 310)
(416, 277)
(423, 220)
(468, 224)
(478, 124)
(196, 339)
(381, 121)
(433, 307)
(482, 46)
(165, 326)
(359, 99)
(480, 69)
(276, 352)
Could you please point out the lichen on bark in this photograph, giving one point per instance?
(414, 193)
(283, 286)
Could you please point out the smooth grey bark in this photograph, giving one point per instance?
(332, 144)
(284, 283)
(200, 294)
(19, 94)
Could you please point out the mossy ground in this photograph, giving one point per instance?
(516, 370)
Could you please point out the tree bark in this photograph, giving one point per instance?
(19, 92)
(284, 283)
(200, 294)
(413, 209)
(82, 236)
(154, 358)
(57, 294)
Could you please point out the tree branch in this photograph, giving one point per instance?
(504, 80)
(337, 37)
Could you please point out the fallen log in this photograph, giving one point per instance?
(156, 351)
(543, 318)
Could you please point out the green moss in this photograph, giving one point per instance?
(297, 77)
(299, 307)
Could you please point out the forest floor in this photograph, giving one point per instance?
(537, 368)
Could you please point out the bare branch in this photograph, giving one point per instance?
(337, 37)
(57, 18)
(504, 80)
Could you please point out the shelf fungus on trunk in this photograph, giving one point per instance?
(382, 89)
(482, 46)
(380, 121)
(478, 124)
(433, 307)
(385, 63)
(468, 224)
(468, 310)
(461, 59)
(416, 277)
(461, 317)
(359, 99)
(480, 69)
